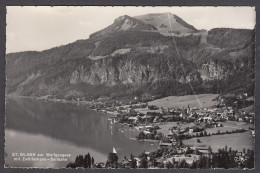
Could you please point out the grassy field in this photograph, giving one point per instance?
(227, 126)
(206, 100)
(248, 109)
(237, 141)
(230, 126)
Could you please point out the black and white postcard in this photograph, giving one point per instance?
(130, 87)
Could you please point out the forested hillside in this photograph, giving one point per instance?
(137, 60)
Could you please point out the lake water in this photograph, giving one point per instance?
(46, 127)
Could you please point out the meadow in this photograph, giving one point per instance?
(203, 100)
(237, 141)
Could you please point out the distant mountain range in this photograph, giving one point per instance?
(153, 54)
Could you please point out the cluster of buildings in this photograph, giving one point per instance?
(149, 118)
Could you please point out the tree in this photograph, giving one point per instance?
(188, 150)
(88, 160)
(183, 164)
(79, 161)
(158, 136)
(71, 165)
(226, 148)
(230, 150)
(208, 162)
(152, 160)
(180, 142)
(194, 165)
(133, 162)
(143, 163)
(112, 160)
(169, 165)
(92, 161)
(250, 161)
(205, 133)
(160, 165)
(141, 135)
(210, 150)
(202, 163)
(173, 161)
(196, 151)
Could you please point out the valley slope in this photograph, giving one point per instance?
(136, 56)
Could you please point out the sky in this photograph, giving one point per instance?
(39, 28)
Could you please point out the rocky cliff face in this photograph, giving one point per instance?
(135, 56)
(212, 70)
(131, 71)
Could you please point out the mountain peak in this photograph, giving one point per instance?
(124, 23)
(167, 23)
(121, 18)
(164, 23)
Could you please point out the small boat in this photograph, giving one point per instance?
(114, 150)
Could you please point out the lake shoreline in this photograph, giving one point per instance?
(67, 128)
(109, 114)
